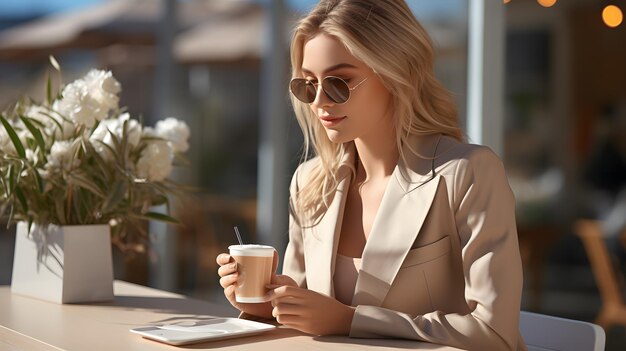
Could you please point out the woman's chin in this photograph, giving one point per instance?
(337, 137)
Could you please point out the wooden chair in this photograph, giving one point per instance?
(544, 332)
(608, 279)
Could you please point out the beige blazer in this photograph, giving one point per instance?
(441, 263)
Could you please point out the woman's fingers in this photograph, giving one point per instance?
(290, 321)
(285, 309)
(280, 279)
(227, 269)
(229, 280)
(284, 291)
(285, 313)
(284, 294)
(229, 292)
(223, 259)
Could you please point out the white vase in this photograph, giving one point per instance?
(63, 264)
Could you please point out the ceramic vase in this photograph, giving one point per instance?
(63, 264)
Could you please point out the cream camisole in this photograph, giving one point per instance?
(344, 279)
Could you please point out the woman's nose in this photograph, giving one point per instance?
(321, 99)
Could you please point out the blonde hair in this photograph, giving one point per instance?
(384, 35)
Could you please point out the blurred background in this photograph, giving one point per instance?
(558, 89)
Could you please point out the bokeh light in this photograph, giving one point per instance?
(612, 16)
(546, 3)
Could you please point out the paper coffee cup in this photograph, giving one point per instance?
(254, 264)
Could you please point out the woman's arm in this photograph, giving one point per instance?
(485, 218)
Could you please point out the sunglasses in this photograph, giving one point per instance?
(335, 88)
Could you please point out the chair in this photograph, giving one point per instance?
(613, 310)
(542, 332)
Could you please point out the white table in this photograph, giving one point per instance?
(31, 324)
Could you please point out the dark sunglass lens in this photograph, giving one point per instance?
(303, 90)
(336, 89)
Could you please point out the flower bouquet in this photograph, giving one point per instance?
(80, 159)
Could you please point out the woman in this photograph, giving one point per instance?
(398, 228)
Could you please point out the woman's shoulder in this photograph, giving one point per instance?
(451, 152)
(304, 171)
(305, 168)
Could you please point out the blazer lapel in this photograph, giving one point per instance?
(403, 209)
(322, 248)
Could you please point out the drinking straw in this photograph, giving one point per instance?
(238, 235)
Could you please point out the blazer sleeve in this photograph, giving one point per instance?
(293, 263)
(484, 209)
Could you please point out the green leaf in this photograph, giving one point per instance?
(38, 180)
(159, 217)
(116, 144)
(14, 138)
(77, 201)
(108, 147)
(59, 205)
(106, 172)
(55, 121)
(37, 176)
(49, 89)
(36, 134)
(14, 174)
(87, 184)
(115, 196)
(22, 199)
(11, 214)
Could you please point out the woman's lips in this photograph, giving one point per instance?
(331, 121)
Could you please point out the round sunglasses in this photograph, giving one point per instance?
(335, 88)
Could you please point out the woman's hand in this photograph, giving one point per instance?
(228, 277)
(310, 311)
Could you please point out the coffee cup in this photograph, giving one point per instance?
(254, 264)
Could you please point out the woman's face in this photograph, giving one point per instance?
(367, 112)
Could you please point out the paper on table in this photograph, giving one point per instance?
(206, 330)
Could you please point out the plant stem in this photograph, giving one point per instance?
(68, 212)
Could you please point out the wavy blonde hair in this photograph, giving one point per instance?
(385, 36)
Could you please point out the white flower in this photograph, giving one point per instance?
(155, 163)
(61, 156)
(51, 122)
(175, 131)
(78, 105)
(32, 156)
(66, 132)
(115, 126)
(149, 132)
(6, 145)
(103, 87)
(90, 99)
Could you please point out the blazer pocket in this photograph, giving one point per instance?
(427, 253)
